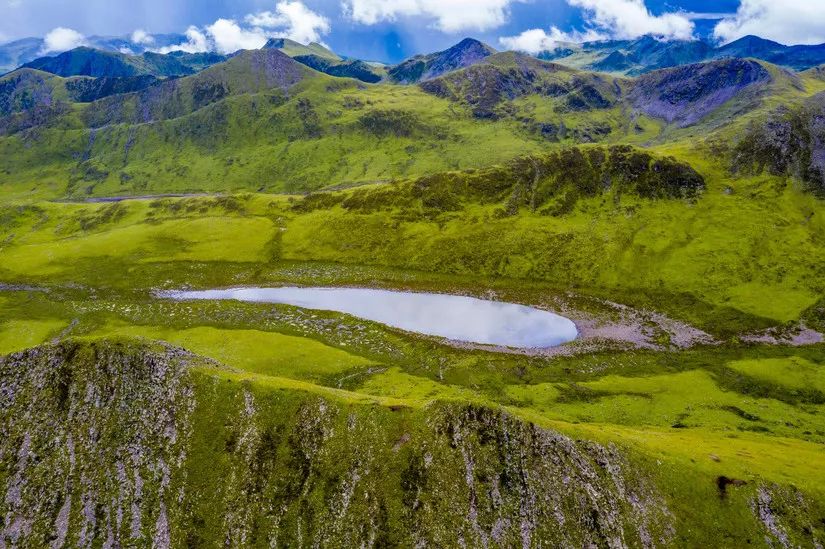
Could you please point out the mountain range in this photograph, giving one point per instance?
(19, 52)
(93, 90)
(665, 198)
(634, 57)
(626, 57)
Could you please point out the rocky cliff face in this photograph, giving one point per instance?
(118, 443)
(93, 441)
(685, 95)
(507, 76)
(112, 444)
(790, 141)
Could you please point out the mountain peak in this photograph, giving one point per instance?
(468, 43)
(278, 43)
(750, 45)
(295, 49)
(470, 46)
(425, 67)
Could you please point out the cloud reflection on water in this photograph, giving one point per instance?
(454, 317)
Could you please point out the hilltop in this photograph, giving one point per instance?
(425, 67)
(528, 100)
(85, 61)
(296, 49)
(648, 53)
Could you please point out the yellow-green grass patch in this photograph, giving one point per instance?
(17, 335)
(792, 372)
(259, 352)
(205, 239)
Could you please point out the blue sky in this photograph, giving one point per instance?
(389, 30)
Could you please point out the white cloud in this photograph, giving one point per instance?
(627, 19)
(196, 42)
(788, 21)
(705, 15)
(291, 20)
(61, 39)
(535, 41)
(449, 15)
(229, 37)
(620, 19)
(142, 37)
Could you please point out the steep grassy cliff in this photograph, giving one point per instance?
(127, 443)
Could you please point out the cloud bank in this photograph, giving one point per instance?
(786, 21)
(449, 15)
(61, 39)
(618, 19)
(196, 42)
(290, 19)
(142, 37)
(537, 40)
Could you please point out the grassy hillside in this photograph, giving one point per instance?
(28, 89)
(264, 122)
(688, 413)
(85, 61)
(296, 49)
(201, 134)
(532, 219)
(218, 447)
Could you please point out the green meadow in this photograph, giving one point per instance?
(716, 291)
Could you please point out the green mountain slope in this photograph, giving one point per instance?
(816, 72)
(241, 108)
(508, 76)
(649, 53)
(85, 61)
(206, 462)
(264, 121)
(296, 49)
(27, 89)
(424, 67)
(322, 59)
(675, 218)
(344, 69)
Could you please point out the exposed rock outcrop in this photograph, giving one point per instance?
(685, 95)
(93, 440)
(127, 443)
(117, 443)
(790, 141)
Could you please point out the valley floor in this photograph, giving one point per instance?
(716, 396)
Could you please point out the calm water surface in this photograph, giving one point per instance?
(450, 316)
